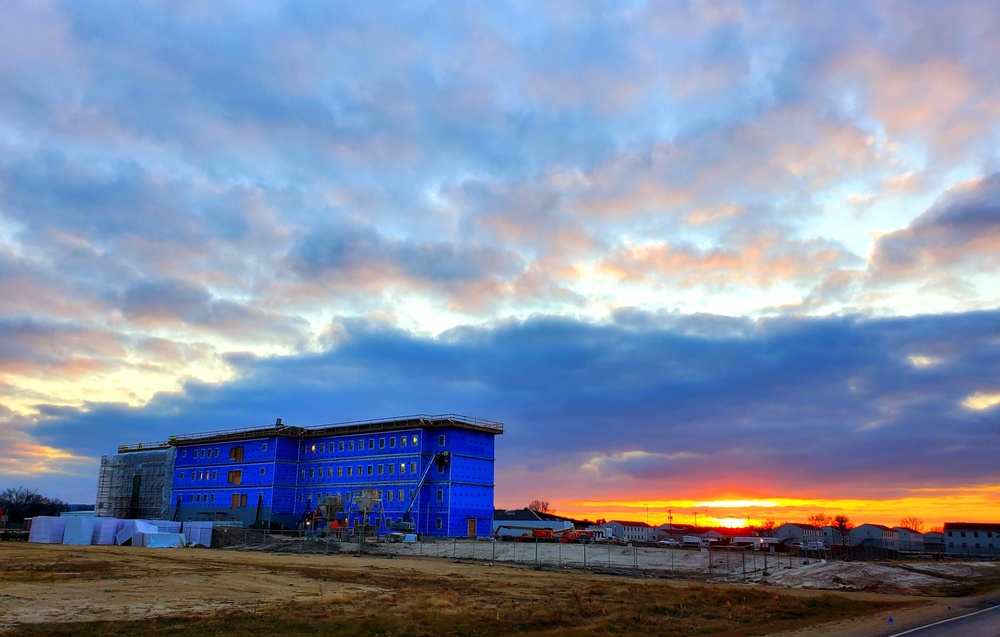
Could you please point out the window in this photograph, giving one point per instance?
(963, 533)
(340, 446)
(235, 477)
(381, 443)
(401, 495)
(388, 496)
(184, 453)
(312, 448)
(370, 470)
(350, 470)
(263, 447)
(322, 447)
(236, 500)
(329, 472)
(340, 472)
(402, 468)
(392, 443)
(359, 470)
(347, 496)
(216, 452)
(392, 469)
(213, 497)
(236, 453)
(414, 440)
(215, 475)
(413, 467)
(262, 471)
(440, 495)
(350, 446)
(381, 469)
(302, 473)
(243, 500)
(438, 524)
(300, 497)
(182, 475)
(311, 473)
(441, 440)
(402, 441)
(197, 498)
(371, 443)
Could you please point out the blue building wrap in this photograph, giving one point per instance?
(438, 471)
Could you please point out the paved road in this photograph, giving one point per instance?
(984, 623)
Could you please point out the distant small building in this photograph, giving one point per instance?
(630, 531)
(909, 540)
(876, 535)
(934, 542)
(790, 532)
(514, 522)
(972, 538)
(676, 531)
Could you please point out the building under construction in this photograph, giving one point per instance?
(428, 474)
(136, 484)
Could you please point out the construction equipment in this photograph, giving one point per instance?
(405, 524)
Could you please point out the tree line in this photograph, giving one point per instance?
(19, 503)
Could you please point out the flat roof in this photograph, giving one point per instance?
(315, 431)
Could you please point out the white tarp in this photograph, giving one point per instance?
(198, 533)
(130, 528)
(104, 530)
(47, 530)
(160, 540)
(79, 530)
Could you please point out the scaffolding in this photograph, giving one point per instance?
(136, 485)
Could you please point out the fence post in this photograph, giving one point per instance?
(536, 550)
(585, 555)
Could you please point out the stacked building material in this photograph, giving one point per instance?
(130, 528)
(166, 526)
(104, 530)
(47, 530)
(198, 533)
(78, 530)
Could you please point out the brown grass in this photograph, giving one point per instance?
(514, 602)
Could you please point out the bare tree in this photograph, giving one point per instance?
(820, 519)
(767, 526)
(843, 525)
(20, 502)
(542, 506)
(912, 523)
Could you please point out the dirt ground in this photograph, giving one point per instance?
(43, 585)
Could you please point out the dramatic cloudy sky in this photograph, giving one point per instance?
(687, 252)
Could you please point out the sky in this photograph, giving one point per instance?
(732, 259)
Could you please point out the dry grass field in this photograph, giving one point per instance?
(110, 590)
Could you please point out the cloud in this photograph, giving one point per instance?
(661, 399)
(957, 236)
(765, 259)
